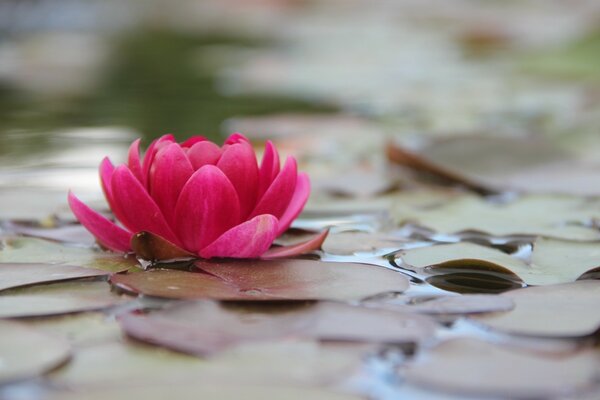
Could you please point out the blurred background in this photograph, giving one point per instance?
(330, 80)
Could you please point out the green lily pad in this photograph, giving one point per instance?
(33, 250)
(447, 305)
(26, 353)
(502, 371)
(265, 280)
(203, 328)
(126, 365)
(347, 243)
(552, 261)
(561, 217)
(21, 274)
(567, 310)
(57, 298)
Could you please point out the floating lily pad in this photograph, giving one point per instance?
(448, 305)
(65, 233)
(266, 280)
(476, 368)
(27, 353)
(347, 243)
(82, 329)
(57, 298)
(552, 261)
(567, 310)
(562, 217)
(22, 274)
(33, 250)
(124, 365)
(203, 328)
(191, 391)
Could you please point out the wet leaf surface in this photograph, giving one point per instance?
(552, 261)
(14, 274)
(567, 310)
(265, 280)
(125, 364)
(347, 243)
(57, 298)
(32, 250)
(27, 353)
(447, 305)
(562, 217)
(502, 371)
(203, 328)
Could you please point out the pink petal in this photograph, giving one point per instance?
(247, 240)
(204, 153)
(297, 203)
(106, 232)
(193, 140)
(138, 210)
(151, 152)
(208, 206)
(106, 172)
(133, 161)
(269, 168)
(278, 196)
(238, 162)
(237, 138)
(310, 245)
(170, 171)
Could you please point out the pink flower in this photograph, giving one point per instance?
(208, 200)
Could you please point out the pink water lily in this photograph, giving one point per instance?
(207, 200)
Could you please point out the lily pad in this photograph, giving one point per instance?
(82, 329)
(27, 353)
(196, 391)
(347, 243)
(447, 305)
(57, 298)
(33, 250)
(561, 217)
(203, 328)
(552, 261)
(477, 368)
(265, 280)
(124, 365)
(21, 274)
(567, 310)
(65, 233)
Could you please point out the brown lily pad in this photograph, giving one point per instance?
(567, 310)
(203, 328)
(476, 368)
(265, 280)
(152, 247)
(27, 353)
(57, 298)
(21, 274)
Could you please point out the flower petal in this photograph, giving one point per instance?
(269, 168)
(193, 140)
(297, 203)
(133, 161)
(204, 153)
(106, 171)
(170, 171)
(237, 138)
(248, 240)
(208, 206)
(238, 162)
(278, 196)
(151, 152)
(138, 210)
(109, 234)
(312, 244)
